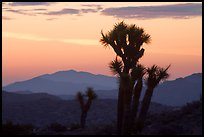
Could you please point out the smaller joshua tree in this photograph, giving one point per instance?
(90, 95)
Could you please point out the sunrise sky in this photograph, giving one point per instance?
(42, 37)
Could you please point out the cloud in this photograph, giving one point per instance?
(22, 12)
(90, 42)
(5, 8)
(39, 9)
(63, 12)
(87, 42)
(51, 19)
(147, 12)
(88, 10)
(70, 11)
(29, 3)
(91, 5)
(6, 18)
(97, 6)
(60, 12)
(30, 13)
(44, 11)
(23, 36)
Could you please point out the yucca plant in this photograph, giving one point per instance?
(137, 76)
(90, 95)
(127, 41)
(155, 75)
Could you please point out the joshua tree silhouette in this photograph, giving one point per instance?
(155, 75)
(90, 96)
(126, 41)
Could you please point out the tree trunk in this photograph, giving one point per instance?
(120, 107)
(135, 102)
(127, 86)
(120, 110)
(83, 119)
(144, 109)
(126, 120)
(88, 105)
(127, 112)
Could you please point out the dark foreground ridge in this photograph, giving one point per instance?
(49, 115)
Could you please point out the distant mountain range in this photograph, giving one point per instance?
(179, 91)
(65, 84)
(174, 93)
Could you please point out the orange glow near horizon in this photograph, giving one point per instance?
(33, 45)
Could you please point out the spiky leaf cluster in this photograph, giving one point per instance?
(116, 66)
(156, 74)
(126, 40)
(91, 94)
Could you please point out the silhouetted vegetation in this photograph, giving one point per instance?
(57, 127)
(89, 96)
(155, 75)
(186, 120)
(126, 41)
(188, 108)
(9, 128)
(107, 129)
(74, 126)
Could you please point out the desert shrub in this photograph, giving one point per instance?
(148, 122)
(74, 126)
(17, 129)
(170, 129)
(190, 107)
(107, 129)
(57, 127)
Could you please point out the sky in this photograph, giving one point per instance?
(46, 37)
